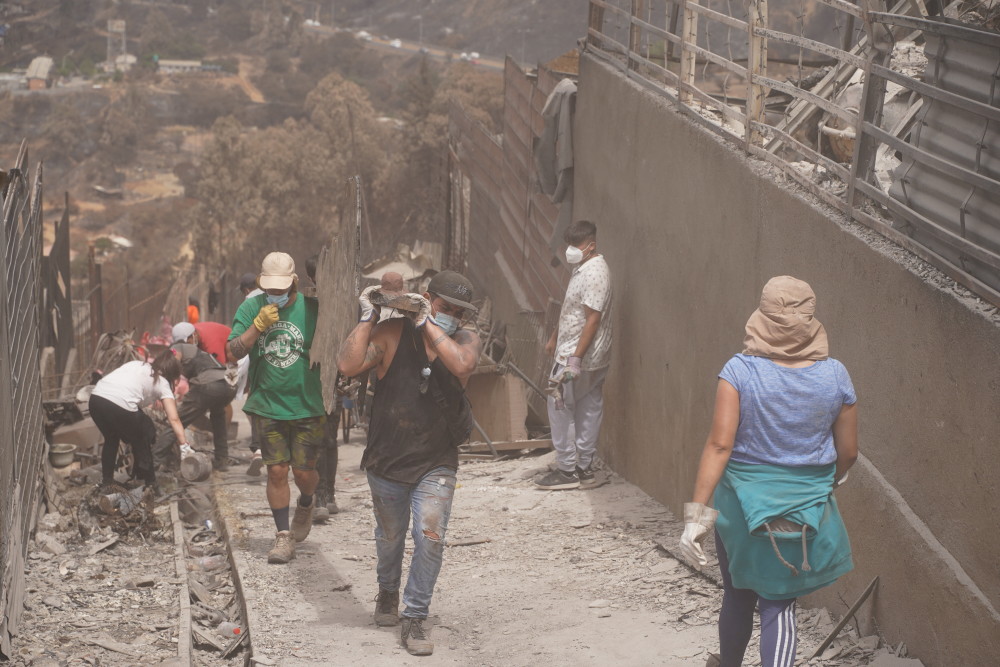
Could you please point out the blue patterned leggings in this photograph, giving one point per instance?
(778, 639)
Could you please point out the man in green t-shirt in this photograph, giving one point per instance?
(285, 400)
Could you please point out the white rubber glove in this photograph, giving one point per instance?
(569, 372)
(699, 521)
(421, 316)
(369, 310)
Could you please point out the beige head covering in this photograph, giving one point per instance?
(783, 327)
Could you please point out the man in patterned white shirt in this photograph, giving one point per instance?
(581, 346)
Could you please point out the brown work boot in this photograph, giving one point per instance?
(284, 548)
(387, 608)
(414, 636)
(302, 521)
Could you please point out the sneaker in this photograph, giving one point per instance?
(413, 636)
(302, 520)
(332, 506)
(221, 465)
(256, 463)
(557, 479)
(321, 514)
(587, 478)
(386, 608)
(284, 548)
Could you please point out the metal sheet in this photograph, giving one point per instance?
(964, 138)
(507, 255)
(338, 276)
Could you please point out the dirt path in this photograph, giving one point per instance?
(567, 578)
(244, 80)
(521, 599)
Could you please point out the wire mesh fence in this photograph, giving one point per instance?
(22, 441)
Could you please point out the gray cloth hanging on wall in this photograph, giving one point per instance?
(553, 154)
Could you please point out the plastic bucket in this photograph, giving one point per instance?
(62, 454)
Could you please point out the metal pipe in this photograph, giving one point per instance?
(489, 443)
(847, 133)
(527, 380)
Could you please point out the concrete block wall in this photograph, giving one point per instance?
(692, 230)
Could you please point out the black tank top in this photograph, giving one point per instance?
(410, 433)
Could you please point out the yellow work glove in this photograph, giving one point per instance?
(267, 316)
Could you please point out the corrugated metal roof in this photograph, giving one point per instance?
(970, 68)
(40, 68)
(183, 64)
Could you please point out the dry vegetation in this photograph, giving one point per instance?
(234, 163)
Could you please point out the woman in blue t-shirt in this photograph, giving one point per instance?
(783, 436)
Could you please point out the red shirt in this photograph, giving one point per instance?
(212, 338)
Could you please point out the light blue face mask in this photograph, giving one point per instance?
(446, 322)
(280, 300)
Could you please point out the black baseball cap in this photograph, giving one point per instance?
(454, 288)
(248, 281)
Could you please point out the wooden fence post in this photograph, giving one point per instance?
(595, 22)
(635, 33)
(689, 35)
(674, 16)
(96, 299)
(756, 66)
(880, 42)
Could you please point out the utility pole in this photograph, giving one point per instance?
(96, 297)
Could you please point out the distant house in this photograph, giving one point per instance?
(122, 63)
(178, 66)
(12, 82)
(39, 74)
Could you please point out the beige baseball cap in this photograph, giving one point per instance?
(277, 271)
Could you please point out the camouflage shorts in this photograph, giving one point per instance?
(296, 441)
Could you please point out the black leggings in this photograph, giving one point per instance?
(118, 424)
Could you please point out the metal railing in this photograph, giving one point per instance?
(797, 111)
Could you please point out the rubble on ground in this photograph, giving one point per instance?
(103, 585)
(97, 596)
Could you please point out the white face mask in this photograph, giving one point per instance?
(574, 255)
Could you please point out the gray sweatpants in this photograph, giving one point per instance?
(583, 411)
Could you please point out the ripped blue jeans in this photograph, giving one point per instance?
(429, 501)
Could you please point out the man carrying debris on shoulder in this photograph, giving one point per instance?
(210, 393)
(285, 401)
(419, 416)
(581, 345)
